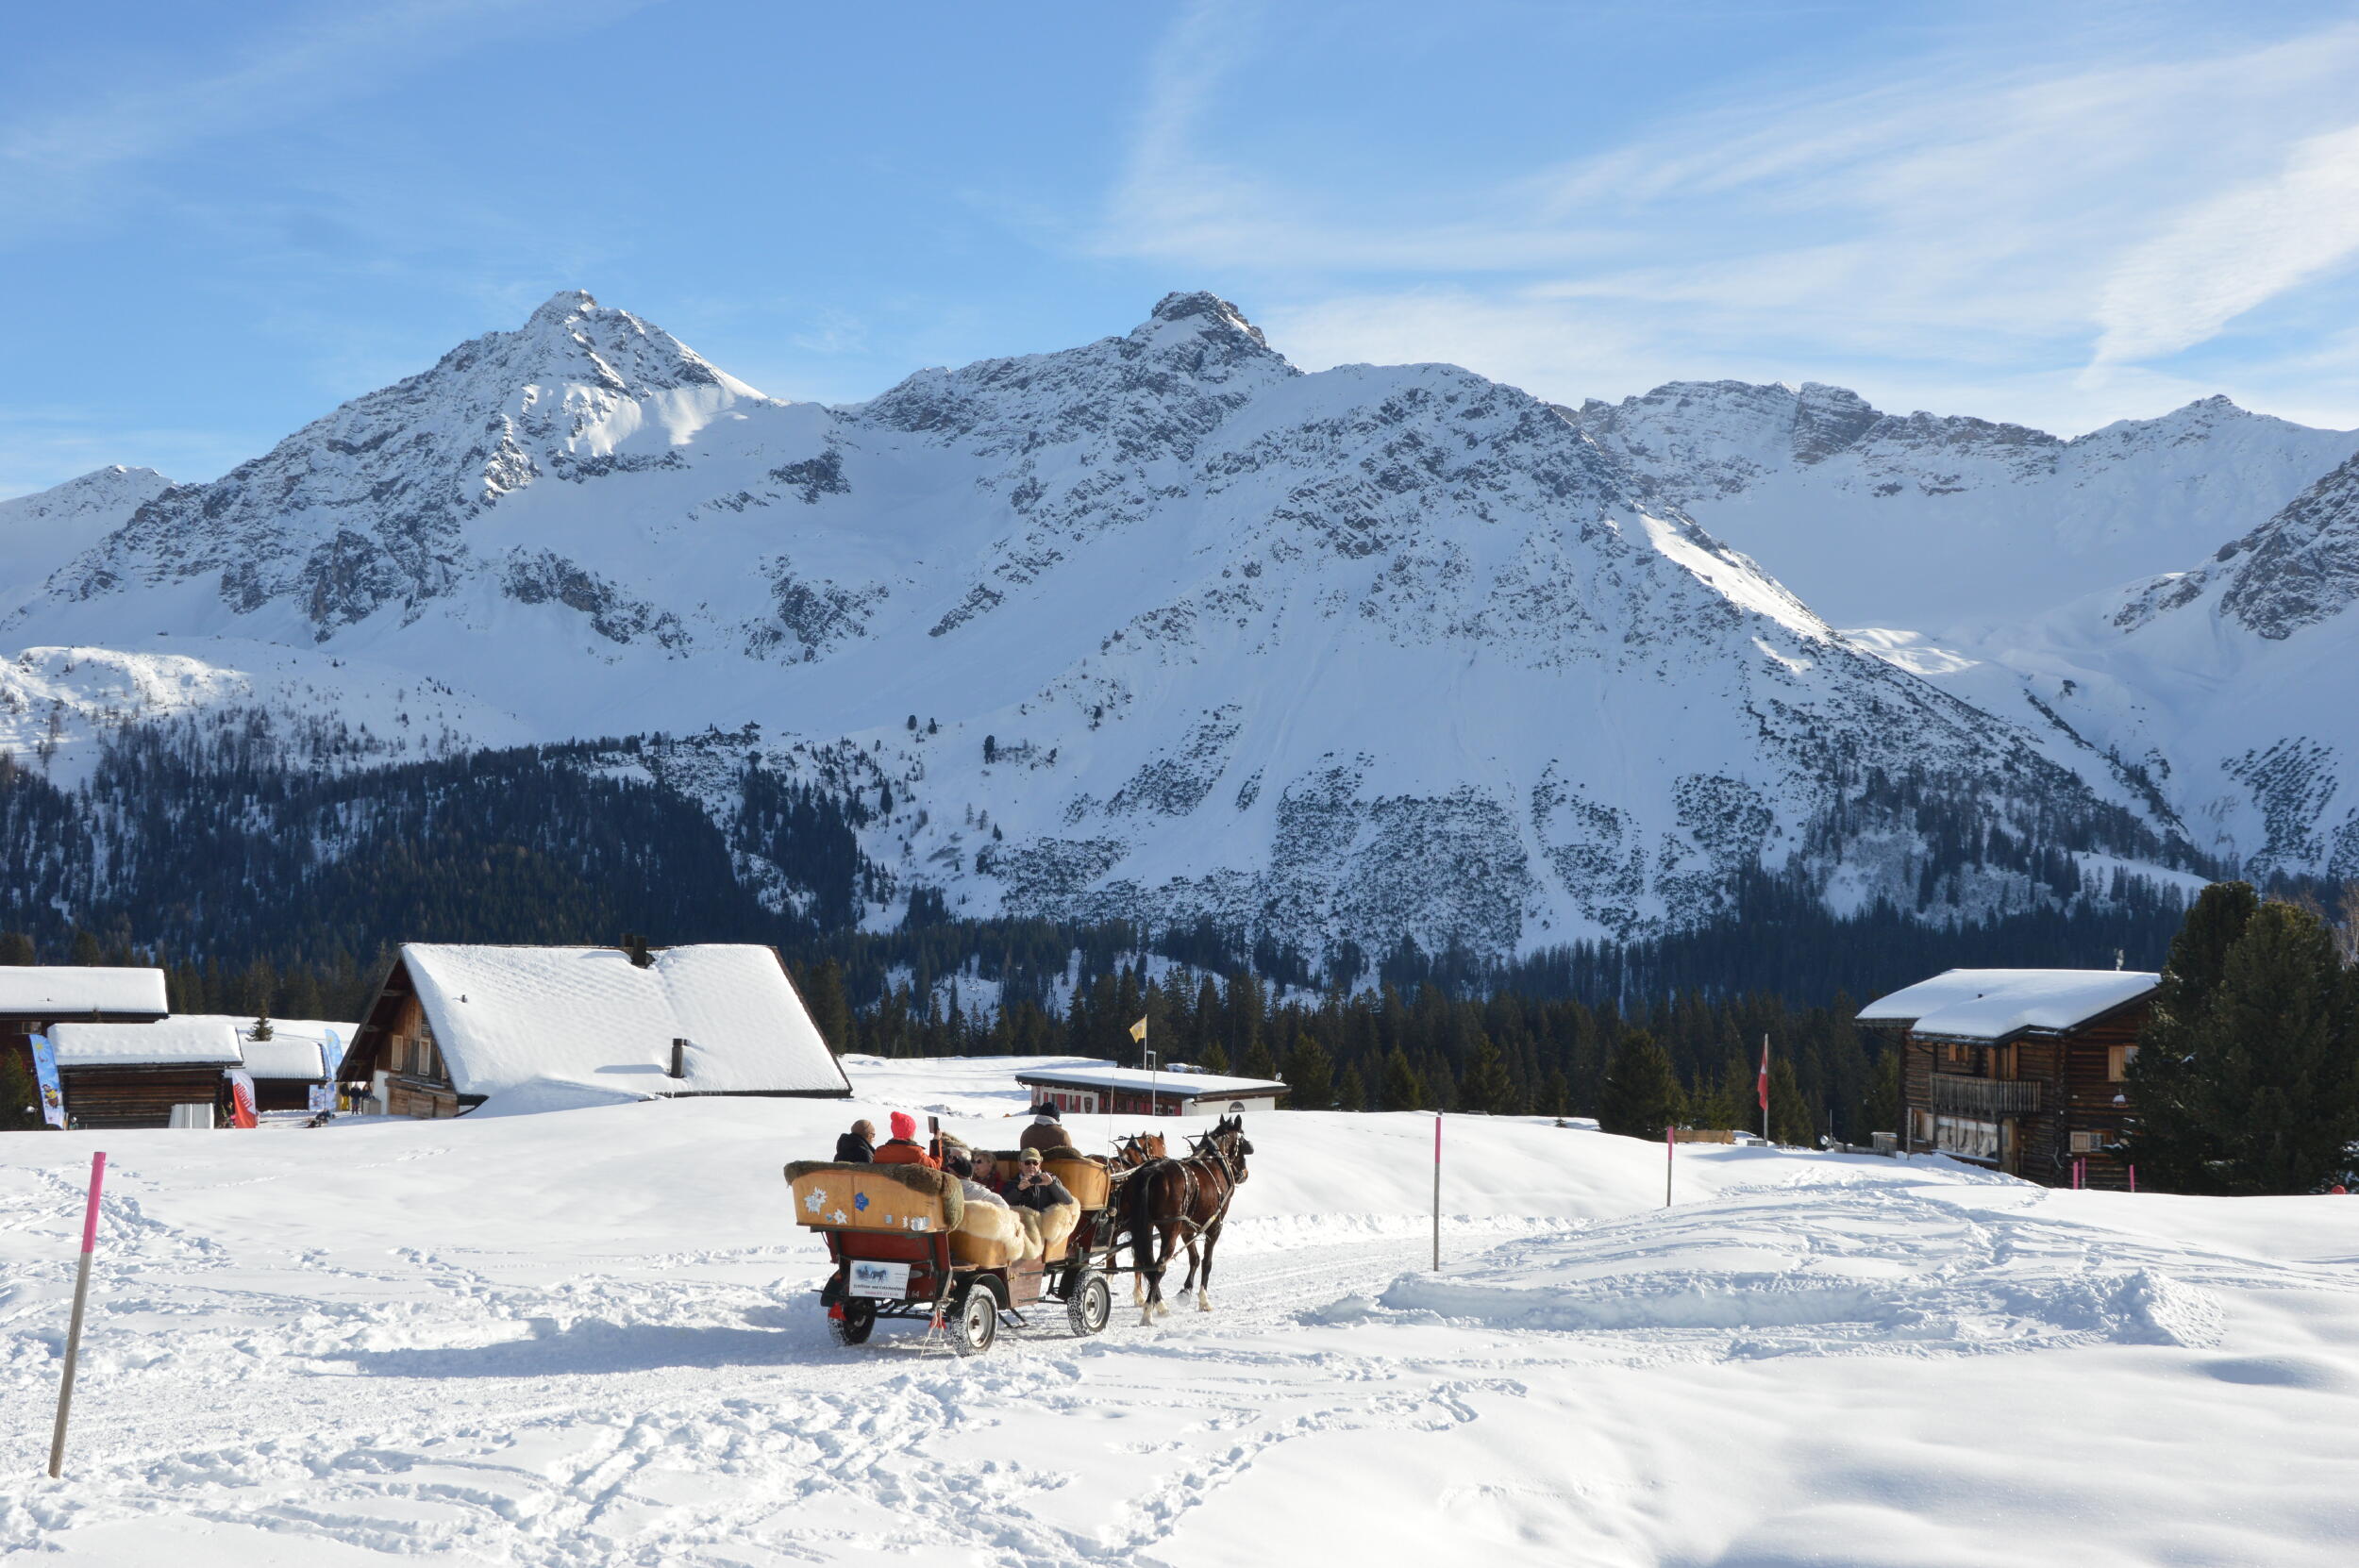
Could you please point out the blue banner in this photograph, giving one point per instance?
(46, 1069)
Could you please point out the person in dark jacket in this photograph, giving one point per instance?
(858, 1147)
(1035, 1188)
(1047, 1129)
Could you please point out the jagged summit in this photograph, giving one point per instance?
(1181, 304)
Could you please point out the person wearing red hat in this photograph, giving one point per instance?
(903, 1148)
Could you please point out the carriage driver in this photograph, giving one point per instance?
(1035, 1187)
(1048, 1128)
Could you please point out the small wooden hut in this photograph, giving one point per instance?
(34, 996)
(2021, 1070)
(134, 1074)
(549, 1027)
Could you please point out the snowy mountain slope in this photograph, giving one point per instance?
(2235, 685)
(1927, 521)
(621, 1359)
(40, 532)
(1157, 627)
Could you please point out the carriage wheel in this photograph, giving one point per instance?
(1088, 1307)
(978, 1320)
(858, 1321)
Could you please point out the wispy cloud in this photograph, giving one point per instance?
(2047, 230)
(64, 165)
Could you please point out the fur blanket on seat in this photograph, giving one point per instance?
(998, 1223)
(1046, 1231)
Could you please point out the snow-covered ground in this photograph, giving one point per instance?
(590, 1337)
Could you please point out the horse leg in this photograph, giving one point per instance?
(1204, 1292)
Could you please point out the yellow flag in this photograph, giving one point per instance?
(1138, 1031)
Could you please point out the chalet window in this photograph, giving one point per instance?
(1921, 1128)
(2088, 1142)
(1966, 1136)
(2117, 1060)
(1957, 1053)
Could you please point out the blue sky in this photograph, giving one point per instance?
(219, 219)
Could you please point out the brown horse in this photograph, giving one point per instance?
(1174, 1200)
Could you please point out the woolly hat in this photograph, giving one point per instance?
(904, 1125)
(1047, 1113)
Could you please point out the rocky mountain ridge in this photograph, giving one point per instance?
(1158, 627)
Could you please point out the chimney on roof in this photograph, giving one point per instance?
(636, 946)
(680, 1058)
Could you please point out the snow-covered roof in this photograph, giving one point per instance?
(308, 1048)
(1201, 1086)
(507, 1016)
(1992, 1004)
(53, 991)
(171, 1042)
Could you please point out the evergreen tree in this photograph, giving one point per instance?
(1401, 1088)
(1258, 1062)
(1349, 1094)
(828, 1008)
(1486, 1086)
(2278, 1057)
(16, 949)
(19, 1093)
(1309, 1075)
(87, 952)
(1642, 1094)
(1789, 1113)
(1556, 1095)
(1883, 1106)
(262, 1030)
(1214, 1058)
(2173, 1141)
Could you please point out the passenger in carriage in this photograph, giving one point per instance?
(1035, 1188)
(903, 1148)
(958, 1161)
(1047, 1129)
(858, 1147)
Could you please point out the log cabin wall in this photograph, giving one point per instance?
(134, 1097)
(2082, 1100)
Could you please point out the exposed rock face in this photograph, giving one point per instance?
(1159, 627)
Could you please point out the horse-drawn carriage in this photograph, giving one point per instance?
(907, 1242)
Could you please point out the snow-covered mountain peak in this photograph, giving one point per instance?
(1149, 393)
(43, 531)
(366, 506)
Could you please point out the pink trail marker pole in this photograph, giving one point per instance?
(2133, 1179)
(1670, 1143)
(73, 1328)
(1437, 1191)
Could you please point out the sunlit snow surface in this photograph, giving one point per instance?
(590, 1338)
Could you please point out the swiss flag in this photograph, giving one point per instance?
(1763, 1087)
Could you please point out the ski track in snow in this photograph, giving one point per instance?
(603, 1391)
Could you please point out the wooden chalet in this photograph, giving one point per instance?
(1091, 1087)
(34, 996)
(136, 1075)
(2021, 1070)
(550, 1027)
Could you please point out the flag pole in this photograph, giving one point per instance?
(73, 1328)
(1765, 1085)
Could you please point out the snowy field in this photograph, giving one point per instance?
(590, 1337)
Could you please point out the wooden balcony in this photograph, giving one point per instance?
(1987, 1099)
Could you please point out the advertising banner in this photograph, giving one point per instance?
(46, 1069)
(241, 1098)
